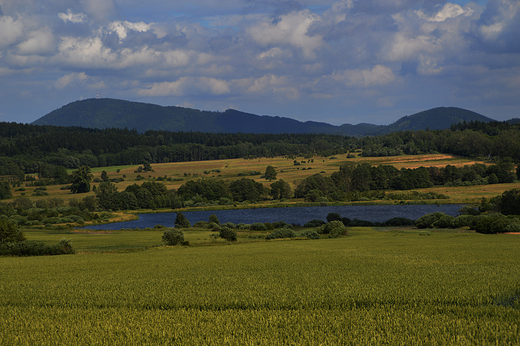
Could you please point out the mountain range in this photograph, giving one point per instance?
(112, 113)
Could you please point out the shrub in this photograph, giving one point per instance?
(280, 224)
(181, 221)
(333, 228)
(36, 248)
(229, 225)
(214, 218)
(173, 236)
(310, 234)
(200, 224)
(258, 226)
(243, 226)
(225, 201)
(428, 220)
(467, 210)
(314, 223)
(464, 220)
(214, 227)
(513, 227)
(361, 223)
(443, 222)
(228, 234)
(281, 233)
(9, 233)
(333, 217)
(398, 221)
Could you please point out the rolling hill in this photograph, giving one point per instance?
(112, 113)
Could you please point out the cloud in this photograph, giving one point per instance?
(499, 26)
(67, 80)
(39, 42)
(71, 17)
(101, 10)
(10, 31)
(297, 56)
(187, 86)
(377, 76)
(290, 29)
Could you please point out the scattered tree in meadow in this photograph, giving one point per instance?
(281, 189)
(270, 173)
(81, 179)
(228, 234)
(173, 236)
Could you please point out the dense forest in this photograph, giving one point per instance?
(39, 149)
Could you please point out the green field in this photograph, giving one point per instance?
(373, 287)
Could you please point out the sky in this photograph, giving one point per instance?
(338, 61)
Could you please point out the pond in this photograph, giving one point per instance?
(292, 215)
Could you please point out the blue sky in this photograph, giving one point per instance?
(337, 61)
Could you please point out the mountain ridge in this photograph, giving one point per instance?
(113, 113)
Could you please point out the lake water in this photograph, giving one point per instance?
(292, 215)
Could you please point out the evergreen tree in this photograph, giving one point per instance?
(81, 179)
(181, 221)
(270, 173)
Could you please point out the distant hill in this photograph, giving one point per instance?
(109, 113)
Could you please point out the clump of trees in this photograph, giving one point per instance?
(14, 243)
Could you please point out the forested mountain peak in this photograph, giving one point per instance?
(112, 113)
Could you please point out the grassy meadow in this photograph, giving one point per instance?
(372, 287)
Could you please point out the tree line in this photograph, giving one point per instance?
(28, 148)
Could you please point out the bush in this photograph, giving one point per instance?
(428, 220)
(280, 224)
(466, 210)
(258, 226)
(200, 224)
(443, 222)
(40, 193)
(310, 234)
(36, 248)
(464, 220)
(228, 234)
(173, 236)
(513, 227)
(333, 228)
(333, 217)
(281, 233)
(214, 218)
(398, 221)
(229, 225)
(361, 223)
(214, 227)
(181, 221)
(314, 223)
(9, 233)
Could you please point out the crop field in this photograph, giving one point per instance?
(373, 287)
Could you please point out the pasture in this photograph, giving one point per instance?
(392, 286)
